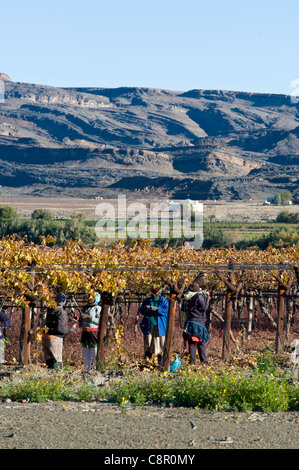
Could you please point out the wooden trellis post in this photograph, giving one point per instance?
(280, 318)
(169, 332)
(283, 290)
(24, 359)
(227, 320)
(250, 316)
(230, 291)
(175, 291)
(27, 315)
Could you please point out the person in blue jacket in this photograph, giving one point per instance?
(154, 323)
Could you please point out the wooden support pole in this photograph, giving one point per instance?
(27, 319)
(280, 319)
(26, 336)
(169, 331)
(227, 320)
(102, 331)
(250, 316)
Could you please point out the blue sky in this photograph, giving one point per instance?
(176, 45)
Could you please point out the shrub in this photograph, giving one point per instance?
(191, 388)
(36, 390)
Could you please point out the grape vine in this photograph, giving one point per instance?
(30, 270)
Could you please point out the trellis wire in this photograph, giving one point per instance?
(184, 267)
(188, 268)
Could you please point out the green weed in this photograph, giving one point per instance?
(260, 390)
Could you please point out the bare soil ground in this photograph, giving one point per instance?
(103, 425)
(64, 207)
(113, 428)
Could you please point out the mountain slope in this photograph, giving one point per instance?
(100, 141)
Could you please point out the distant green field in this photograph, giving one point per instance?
(224, 234)
(220, 234)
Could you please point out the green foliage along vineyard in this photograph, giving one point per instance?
(29, 269)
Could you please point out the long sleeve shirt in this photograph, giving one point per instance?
(161, 315)
(196, 308)
(56, 321)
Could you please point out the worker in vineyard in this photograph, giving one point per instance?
(195, 333)
(57, 329)
(5, 322)
(89, 322)
(154, 323)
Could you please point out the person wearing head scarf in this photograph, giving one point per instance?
(89, 322)
(57, 329)
(154, 323)
(195, 332)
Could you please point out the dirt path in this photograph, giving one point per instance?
(56, 425)
(103, 425)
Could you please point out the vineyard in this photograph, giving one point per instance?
(254, 294)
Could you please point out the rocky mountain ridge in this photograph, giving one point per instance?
(203, 144)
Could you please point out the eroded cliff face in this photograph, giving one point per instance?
(226, 144)
(4, 77)
(39, 94)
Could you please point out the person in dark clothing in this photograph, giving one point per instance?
(56, 322)
(195, 332)
(5, 322)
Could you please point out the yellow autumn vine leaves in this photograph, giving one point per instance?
(75, 267)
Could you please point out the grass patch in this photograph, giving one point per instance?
(211, 391)
(264, 388)
(56, 388)
(36, 390)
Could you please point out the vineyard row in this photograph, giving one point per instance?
(32, 274)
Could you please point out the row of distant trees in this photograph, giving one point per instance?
(42, 223)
